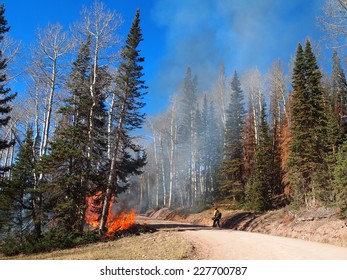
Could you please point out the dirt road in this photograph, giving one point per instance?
(225, 244)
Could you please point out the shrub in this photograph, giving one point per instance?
(51, 240)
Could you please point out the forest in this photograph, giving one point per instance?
(73, 162)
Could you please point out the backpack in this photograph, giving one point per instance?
(219, 216)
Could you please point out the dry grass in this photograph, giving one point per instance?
(151, 246)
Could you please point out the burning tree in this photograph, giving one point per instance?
(127, 157)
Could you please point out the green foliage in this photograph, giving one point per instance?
(5, 96)
(231, 171)
(234, 121)
(51, 240)
(339, 94)
(129, 95)
(6, 206)
(131, 88)
(18, 194)
(76, 169)
(308, 147)
(261, 183)
(256, 199)
(340, 180)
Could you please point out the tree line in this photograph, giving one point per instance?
(252, 141)
(77, 128)
(258, 142)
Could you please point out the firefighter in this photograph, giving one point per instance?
(217, 215)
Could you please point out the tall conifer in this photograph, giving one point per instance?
(260, 185)
(128, 157)
(5, 96)
(339, 94)
(308, 145)
(232, 165)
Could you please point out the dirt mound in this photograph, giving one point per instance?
(320, 225)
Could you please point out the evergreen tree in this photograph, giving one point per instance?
(261, 182)
(186, 133)
(128, 157)
(5, 96)
(340, 181)
(21, 189)
(333, 141)
(215, 151)
(235, 120)
(74, 174)
(339, 94)
(232, 165)
(309, 136)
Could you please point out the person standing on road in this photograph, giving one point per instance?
(217, 215)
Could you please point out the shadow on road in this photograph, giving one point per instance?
(239, 221)
(166, 225)
(177, 226)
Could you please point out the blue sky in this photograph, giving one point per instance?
(197, 33)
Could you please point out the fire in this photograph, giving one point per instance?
(114, 223)
(120, 222)
(93, 211)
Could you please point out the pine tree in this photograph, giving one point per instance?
(232, 165)
(260, 186)
(186, 138)
(285, 139)
(128, 157)
(249, 145)
(339, 94)
(5, 96)
(73, 171)
(21, 189)
(309, 136)
(340, 181)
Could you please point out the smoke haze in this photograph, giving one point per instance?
(243, 34)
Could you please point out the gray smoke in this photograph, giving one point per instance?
(241, 33)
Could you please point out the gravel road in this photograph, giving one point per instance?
(225, 244)
(237, 245)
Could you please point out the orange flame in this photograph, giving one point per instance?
(93, 210)
(114, 222)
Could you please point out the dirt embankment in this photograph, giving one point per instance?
(320, 225)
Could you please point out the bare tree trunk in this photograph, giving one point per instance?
(49, 108)
(172, 159)
(157, 170)
(142, 184)
(111, 182)
(36, 122)
(109, 128)
(163, 177)
(94, 103)
(149, 190)
(100, 25)
(53, 44)
(112, 178)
